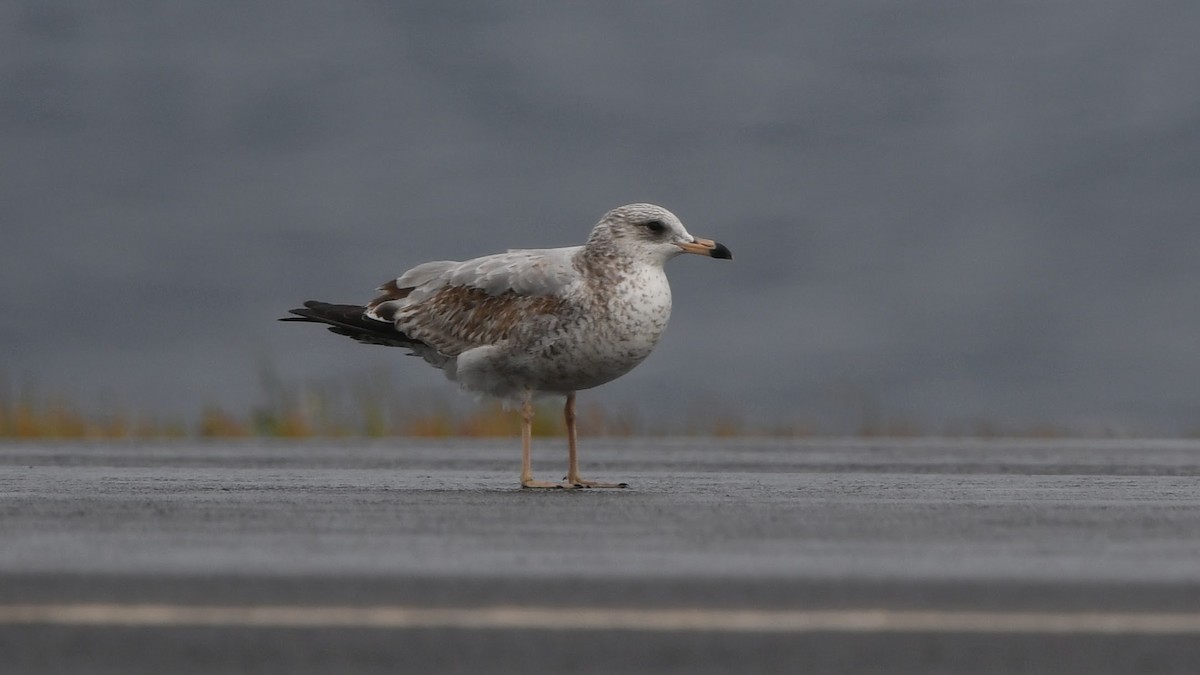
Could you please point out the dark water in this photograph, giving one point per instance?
(942, 214)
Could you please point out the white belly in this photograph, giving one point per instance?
(597, 345)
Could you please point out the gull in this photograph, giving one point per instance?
(533, 322)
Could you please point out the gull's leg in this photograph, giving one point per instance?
(573, 452)
(527, 480)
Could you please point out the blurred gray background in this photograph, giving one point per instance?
(943, 213)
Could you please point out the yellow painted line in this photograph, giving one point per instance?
(597, 619)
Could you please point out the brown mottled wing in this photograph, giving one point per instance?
(454, 307)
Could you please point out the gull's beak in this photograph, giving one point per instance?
(706, 247)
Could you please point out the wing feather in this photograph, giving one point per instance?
(456, 306)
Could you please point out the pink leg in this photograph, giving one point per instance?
(573, 452)
(527, 480)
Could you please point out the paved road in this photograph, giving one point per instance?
(723, 556)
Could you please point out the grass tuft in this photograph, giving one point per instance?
(377, 409)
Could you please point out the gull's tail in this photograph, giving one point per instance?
(350, 321)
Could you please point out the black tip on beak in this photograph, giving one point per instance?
(706, 247)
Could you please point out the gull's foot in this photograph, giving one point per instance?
(547, 485)
(584, 483)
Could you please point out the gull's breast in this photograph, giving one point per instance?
(616, 330)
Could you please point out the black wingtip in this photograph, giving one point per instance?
(302, 313)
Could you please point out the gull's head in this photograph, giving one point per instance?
(650, 233)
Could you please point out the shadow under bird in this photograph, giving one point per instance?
(533, 321)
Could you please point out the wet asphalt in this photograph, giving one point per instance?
(1100, 528)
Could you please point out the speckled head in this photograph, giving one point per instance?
(650, 233)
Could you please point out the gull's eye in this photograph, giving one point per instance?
(655, 226)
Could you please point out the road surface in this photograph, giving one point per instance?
(864, 556)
